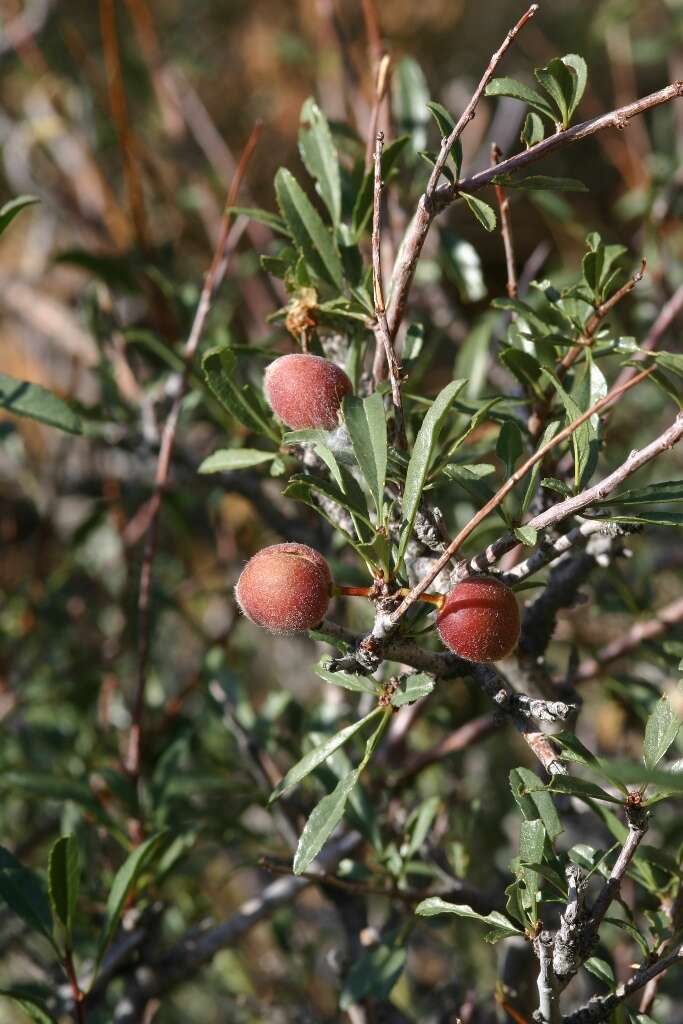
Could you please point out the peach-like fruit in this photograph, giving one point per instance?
(285, 588)
(306, 391)
(479, 620)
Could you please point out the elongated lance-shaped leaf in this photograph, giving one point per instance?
(32, 1007)
(24, 893)
(37, 403)
(661, 730)
(317, 756)
(311, 237)
(9, 211)
(519, 91)
(125, 880)
(582, 437)
(320, 156)
(326, 815)
(63, 876)
(227, 459)
(484, 213)
(422, 458)
(436, 905)
(220, 370)
(367, 427)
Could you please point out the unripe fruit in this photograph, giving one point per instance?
(479, 620)
(285, 588)
(306, 391)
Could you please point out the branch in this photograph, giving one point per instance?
(505, 228)
(446, 194)
(571, 506)
(548, 1004)
(600, 1008)
(540, 414)
(214, 278)
(510, 483)
(666, 617)
(549, 550)
(581, 931)
(382, 328)
(668, 313)
(468, 113)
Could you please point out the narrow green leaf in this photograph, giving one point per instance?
(63, 880)
(531, 843)
(320, 157)
(435, 905)
(410, 95)
(322, 822)
(313, 240)
(315, 757)
(580, 787)
(666, 490)
(541, 182)
(412, 688)
(37, 403)
(362, 207)
(373, 975)
(526, 534)
(31, 1006)
(9, 211)
(446, 124)
(484, 213)
(582, 437)
(578, 66)
(220, 371)
(227, 459)
(518, 91)
(265, 217)
(534, 801)
(348, 680)
(24, 893)
(509, 445)
(533, 131)
(125, 880)
(422, 457)
(366, 423)
(661, 730)
(559, 82)
(600, 969)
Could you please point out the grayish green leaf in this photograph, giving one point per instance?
(412, 688)
(367, 426)
(63, 875)
(311, 237)
(227, 459)
(25, 894)
(37, 403)
(484, 213)
(322, 822)
(320, 157)
(435, 905)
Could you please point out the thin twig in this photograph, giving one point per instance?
(460, 739)
(600, 1008)
(540, 414)
(382, 328)
(549, 551)
(664, 619)
(548, 1002)
(213, 279)
(382, 81)
(668, 313)
(509, 484)
(469, 111)
(505, 228)
(571, 506)
(418, 228)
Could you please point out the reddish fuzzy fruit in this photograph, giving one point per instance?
(306, 391)
(479, 620)
(285, 588)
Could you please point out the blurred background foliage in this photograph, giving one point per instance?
(98, 284)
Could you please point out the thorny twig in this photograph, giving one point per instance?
(214, 278)
(600, 1008)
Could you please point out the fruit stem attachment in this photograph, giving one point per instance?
(339, 590)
